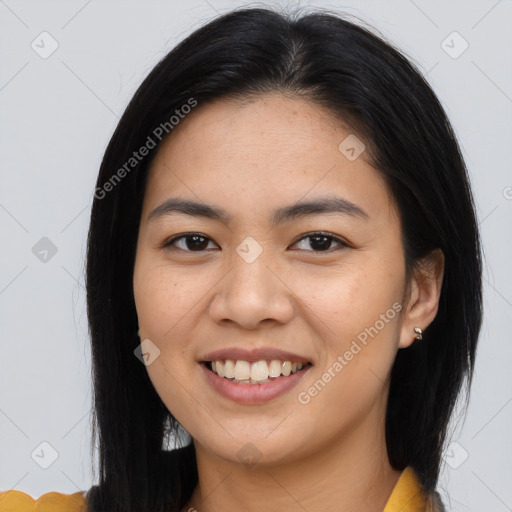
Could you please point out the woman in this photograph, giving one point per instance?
(283, 259)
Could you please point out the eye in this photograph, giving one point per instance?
(197, 242)
(321, 241)
(189, 242)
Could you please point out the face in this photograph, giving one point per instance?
(258, 281)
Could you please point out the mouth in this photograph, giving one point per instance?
(253, 376)
(259, 372)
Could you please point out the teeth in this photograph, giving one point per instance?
(258, 372)
(274, 369)
(229, 368)
(242, 370)
(219, 368)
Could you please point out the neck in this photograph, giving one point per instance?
(352, 473)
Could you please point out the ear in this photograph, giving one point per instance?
(422, 296)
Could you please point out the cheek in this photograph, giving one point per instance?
(165, 301)
(345, 302)
(360, 325)
(164, 298)
(357, 312)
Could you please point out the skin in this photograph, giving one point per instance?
(251, 158)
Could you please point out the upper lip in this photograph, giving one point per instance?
(257, 354)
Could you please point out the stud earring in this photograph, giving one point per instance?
(419, 333)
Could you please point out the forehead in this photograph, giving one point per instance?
(253, 153)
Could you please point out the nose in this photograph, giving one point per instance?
(251, 294)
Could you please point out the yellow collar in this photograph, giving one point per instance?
(408, 495)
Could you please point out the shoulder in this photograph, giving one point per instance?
(18, 501)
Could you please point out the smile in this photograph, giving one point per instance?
(253, 377)
(257, 372)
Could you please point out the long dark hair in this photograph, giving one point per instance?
(377, 92)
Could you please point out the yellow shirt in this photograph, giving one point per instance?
(407, 496)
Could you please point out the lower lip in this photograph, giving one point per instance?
(252, 393)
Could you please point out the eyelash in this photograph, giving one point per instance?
(342, 243)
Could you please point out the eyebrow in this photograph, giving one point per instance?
(317, 206)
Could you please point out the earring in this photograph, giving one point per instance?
(419, 333)
(138, 333)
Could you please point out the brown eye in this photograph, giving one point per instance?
(321, 242)
(197, 242)
(189, 242)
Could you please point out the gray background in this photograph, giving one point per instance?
(57, 115)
